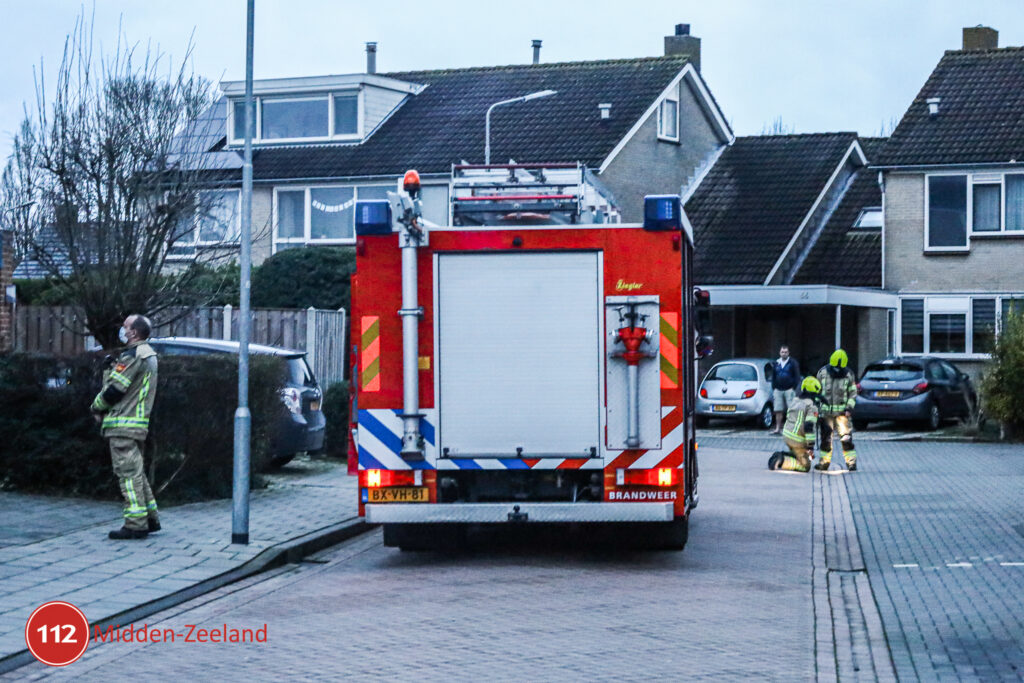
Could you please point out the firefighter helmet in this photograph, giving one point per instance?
(811, 385)
(839, 359)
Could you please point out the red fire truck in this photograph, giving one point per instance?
(530, 363)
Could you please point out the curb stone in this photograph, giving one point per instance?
(287, 552)
(849, 638)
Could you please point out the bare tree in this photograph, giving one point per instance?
(112, 163)
(886, 128)
(777, 127)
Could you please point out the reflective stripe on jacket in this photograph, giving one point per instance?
(128, 393)
(839, 393)
(801, 419)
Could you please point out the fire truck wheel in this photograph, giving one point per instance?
(422, 537)
(672, 535)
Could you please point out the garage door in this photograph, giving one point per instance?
(518, 354)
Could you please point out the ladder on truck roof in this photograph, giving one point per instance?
(524, 194)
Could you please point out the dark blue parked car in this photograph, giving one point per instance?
(303, 429)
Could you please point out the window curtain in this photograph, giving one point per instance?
(1015, 201)
(986, 208)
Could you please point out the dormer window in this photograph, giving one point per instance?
(870, 218)
(293, 118)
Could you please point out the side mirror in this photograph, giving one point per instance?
(702, 322)
(705, 346)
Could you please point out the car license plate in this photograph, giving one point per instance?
(396, 494)
(887, 394)
(314, 405)
(723, 408)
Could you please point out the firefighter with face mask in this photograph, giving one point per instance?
(838, 396)
(798, 432)
(124, 406)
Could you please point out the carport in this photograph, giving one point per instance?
(754, 320)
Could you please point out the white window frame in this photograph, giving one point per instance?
(1003, 232)
(927, 215)
(331, 136)
(237, 228)
(973, 178)
(194, 244)
(307, 239)
(661, 135)
(951, 304)
(863, 212)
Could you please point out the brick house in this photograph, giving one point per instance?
(640, 126)
(953, 173)
(788, 241)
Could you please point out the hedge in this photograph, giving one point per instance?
(1002, 384)
(336, 409)
(300, 278)
(52, 445)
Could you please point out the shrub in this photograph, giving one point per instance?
(336, 408)
(1003, 383)
(52, 445)
(42, 293)
(300, 278)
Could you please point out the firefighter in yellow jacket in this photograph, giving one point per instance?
(124, 406)
(838, 396)
(798, 432)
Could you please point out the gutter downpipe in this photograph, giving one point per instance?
(881, 188)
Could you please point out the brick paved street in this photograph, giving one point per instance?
(912, 568)
(942, 530)
(58, 549)
(735, 604)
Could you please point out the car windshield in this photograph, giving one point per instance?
(893, 372)
(299, 372)
(733, 372)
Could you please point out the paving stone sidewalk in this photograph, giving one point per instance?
(57, 549)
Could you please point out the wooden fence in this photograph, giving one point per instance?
(60, 330)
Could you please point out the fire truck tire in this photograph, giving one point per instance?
(422, 537)
(672, 535)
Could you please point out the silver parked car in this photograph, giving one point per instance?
(740, 388)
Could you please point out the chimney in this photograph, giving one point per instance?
(682, 43)
(606, 109)
(371, 58)
(933, 106)
(536, 51)
(980, 38)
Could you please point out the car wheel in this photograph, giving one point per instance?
(279, 461)
(766, 418)
(934, 418)
(702, 421)
(860, 425)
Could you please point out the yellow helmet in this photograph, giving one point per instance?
(839, 359)
(811, 385)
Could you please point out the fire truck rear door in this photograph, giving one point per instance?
(518, 354)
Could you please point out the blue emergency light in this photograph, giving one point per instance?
(373, 217)
(663, 212)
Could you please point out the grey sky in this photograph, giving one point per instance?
(819, 64)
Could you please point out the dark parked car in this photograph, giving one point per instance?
(922, 389)
(303, 429)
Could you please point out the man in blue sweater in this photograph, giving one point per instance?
(785, 380)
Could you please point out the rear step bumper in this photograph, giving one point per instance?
(490, 513)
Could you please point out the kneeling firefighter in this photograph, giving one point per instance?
(798, 432)
(838, 396)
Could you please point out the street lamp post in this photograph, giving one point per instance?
(243, 418)
(487, 118)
